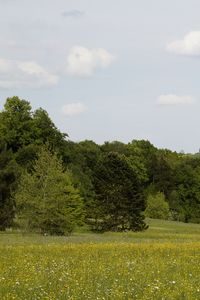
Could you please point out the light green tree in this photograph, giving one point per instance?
(46, 199)
(157, 207)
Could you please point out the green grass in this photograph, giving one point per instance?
(160, 263)
(159, 231)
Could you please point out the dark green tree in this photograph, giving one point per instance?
(9, 173)
(16, 123)
(81, 159)
(20, 127)
(45, 131)
(26, 156)
(184, 200)
(119, 198)
(115, 146)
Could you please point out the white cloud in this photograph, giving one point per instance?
(16, 74)
(82, 61)
(189, 45)
(175, 100)
(72, 109)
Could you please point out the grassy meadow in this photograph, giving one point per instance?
(160, 263)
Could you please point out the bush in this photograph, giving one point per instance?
(157, 207)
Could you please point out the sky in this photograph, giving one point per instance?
(107, 70)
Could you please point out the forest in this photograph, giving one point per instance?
(52, 185)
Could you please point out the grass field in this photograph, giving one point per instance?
(160, 263)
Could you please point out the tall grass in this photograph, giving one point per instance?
(161, 263)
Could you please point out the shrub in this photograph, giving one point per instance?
(157, 207)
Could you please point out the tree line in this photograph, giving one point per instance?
(51, 184)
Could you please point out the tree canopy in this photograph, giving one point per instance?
(109, 185)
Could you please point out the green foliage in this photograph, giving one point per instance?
(8, 176)
(139, 169)
(157, 207)
(177, 210)
(119, 198)
(46, 198)
(15, 123)
(115, 146)
(81, 158)
(185, 198)
(112, 179)
(26, 156)
(164, 167)
(19, 126)
(45, 131)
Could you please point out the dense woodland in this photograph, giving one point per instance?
(51, 184)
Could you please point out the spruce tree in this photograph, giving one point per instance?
(46, 198)
(119, 197)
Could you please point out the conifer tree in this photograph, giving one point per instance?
(119, 197)
(46, 199)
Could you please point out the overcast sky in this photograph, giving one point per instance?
(107, 69)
